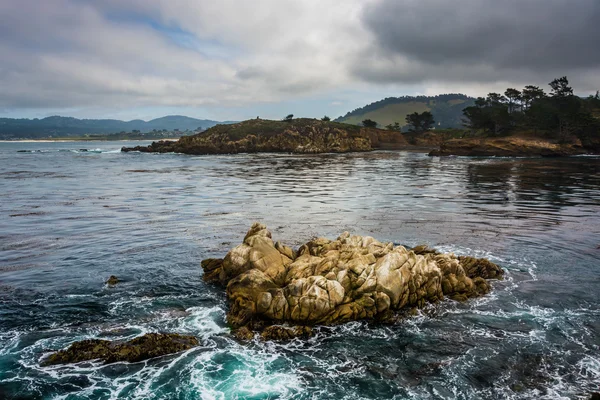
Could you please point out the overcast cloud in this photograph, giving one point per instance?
(230, 59)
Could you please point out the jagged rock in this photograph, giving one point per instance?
(212, 269)
(141, 348)
(329, 282)
(279, 332)
(243, 333)
(112, 280)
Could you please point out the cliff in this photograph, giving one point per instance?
(296, 136)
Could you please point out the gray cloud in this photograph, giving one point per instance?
(123, 54)
(480, 40)
(198, 53)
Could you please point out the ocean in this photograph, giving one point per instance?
(74, 213)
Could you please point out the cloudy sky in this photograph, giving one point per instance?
(236, 59)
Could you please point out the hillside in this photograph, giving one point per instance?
(446, 109)
(56, 126)
(301, 135)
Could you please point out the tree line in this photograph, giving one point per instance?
(559, 113)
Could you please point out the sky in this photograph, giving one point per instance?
(239, 59)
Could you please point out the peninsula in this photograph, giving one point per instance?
(302, 135)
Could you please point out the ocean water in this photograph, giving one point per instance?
(70, 218)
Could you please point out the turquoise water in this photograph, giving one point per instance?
(70, 218)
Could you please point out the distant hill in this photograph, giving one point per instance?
(446, 109)
(11, 128)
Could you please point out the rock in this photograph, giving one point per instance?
(298, 136)
(112, 280)
(279, 332)
(141, 348)
(328, 282)
(510, 146)
(212, 269)
(243, 333)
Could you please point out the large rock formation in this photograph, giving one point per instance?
(510, 146)
(297, 136)
(331, 282)
(141, 348)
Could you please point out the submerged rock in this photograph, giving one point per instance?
(112, 280)
(141, 348)
(335, 281)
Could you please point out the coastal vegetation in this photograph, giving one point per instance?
(369, 123)
(530, 122)
(559, 115)
(420, 122)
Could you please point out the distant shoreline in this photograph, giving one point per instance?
(82, 140)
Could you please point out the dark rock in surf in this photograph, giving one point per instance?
(141, 348)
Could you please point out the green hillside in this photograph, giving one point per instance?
(446, 109)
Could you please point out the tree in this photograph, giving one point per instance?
(495, 99)
(489, 114)
(394, 127)
(566, 107)
(420, 122)
(368, 123)
(514, 97)
(560, 87)
(289, 118)
(325, 118)
(530, 94)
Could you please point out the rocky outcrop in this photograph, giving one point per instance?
(334, 281)
(510, 146)
(297, 136)
(141, 348)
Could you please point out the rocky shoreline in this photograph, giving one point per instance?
(510, 146)
(310, 136)
(280, 293)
